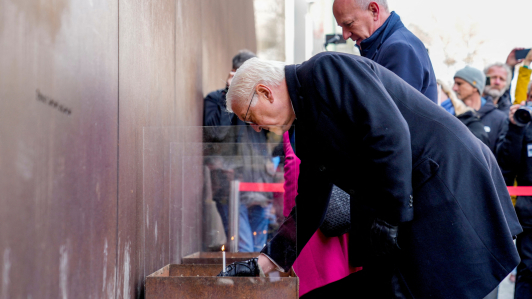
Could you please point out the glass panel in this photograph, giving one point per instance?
(218, 186)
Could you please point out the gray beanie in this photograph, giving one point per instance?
(473, 76)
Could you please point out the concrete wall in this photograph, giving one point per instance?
(79, 80)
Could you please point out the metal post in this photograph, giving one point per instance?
(234, 205)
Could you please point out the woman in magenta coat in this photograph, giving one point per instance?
(323, 260)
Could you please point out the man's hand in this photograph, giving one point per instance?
(512, 112)
(265, 264)
(244, 268)
(528, 58)
(383, 238)
(511, 61)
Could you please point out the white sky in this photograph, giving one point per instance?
(501, 25)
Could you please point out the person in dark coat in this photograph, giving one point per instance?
(465, 114)
(514, 154)
(494, 121)
(418, 179)
(469, 83)
(384, 39)
(214, 110)
(498, 89)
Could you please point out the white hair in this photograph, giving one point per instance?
(364, 4)
(254, 71)
(506, 68)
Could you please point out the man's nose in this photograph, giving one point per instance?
(455, 88)
(346, 34)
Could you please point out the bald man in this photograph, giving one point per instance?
(384, 39)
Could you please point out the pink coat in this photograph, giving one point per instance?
(323, 260)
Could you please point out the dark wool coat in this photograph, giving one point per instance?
(397, 49)
(362, 128)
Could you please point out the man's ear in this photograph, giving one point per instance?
(374, 9)
(266, 91)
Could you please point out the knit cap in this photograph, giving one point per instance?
(472, 76)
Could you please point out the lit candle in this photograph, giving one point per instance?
(223, 253)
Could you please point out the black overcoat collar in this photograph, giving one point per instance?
(294, 86)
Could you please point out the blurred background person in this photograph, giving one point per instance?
(383, 38)
(214, 110)
(465, 114)
(469, 84)
(254, 212)
(498, 85)
(514, 155)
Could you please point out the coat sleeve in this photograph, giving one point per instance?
(357, 100)
(508, 151)
(304, 219)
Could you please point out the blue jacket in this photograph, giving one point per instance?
(397, 49)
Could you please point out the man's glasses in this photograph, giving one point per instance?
(251, 101)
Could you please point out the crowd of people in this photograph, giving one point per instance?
(424, 166)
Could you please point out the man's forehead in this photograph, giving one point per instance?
(497, 69)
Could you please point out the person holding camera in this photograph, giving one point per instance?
(514, 154)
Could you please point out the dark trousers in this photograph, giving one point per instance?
(523, 283)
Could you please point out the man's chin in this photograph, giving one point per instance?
(494, 93)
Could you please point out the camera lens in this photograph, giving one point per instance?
(523, 116)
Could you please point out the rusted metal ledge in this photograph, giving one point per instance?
(200, 281)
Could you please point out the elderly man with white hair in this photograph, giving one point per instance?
(497, 89)
(384, 39)
(431, 215)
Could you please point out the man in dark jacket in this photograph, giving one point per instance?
(384, 39)
(214, 112)
(498, 89)
(514, 154)
(405, 162)
(469, 84)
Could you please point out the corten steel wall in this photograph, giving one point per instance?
(79, 80)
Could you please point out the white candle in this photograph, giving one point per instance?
(223, 253)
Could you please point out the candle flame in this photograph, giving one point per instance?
(264, 232)
(232, 238)
(254, 233)
(223, 247)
